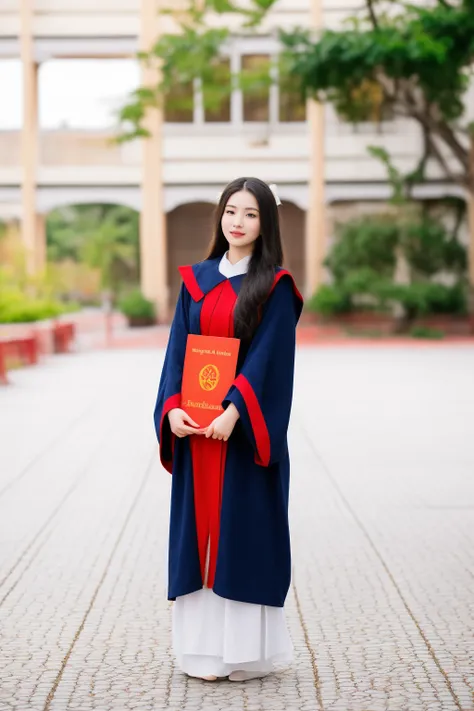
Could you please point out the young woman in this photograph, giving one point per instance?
(229, 545)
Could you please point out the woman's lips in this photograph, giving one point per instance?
(238, 234)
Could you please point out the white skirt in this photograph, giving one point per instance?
(216, 636)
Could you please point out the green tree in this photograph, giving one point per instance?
(104, 251)
(418, 61)
(103, 236)
(193, 54)
(424, 244)
(69, 227)
(414, 61)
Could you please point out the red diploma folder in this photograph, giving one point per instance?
(209, 369)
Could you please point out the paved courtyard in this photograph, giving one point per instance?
(381, 608)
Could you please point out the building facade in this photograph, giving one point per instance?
(320, 164)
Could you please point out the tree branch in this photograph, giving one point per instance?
(459, 179)
(388, 86)
(418, 174)
(449, 137)
(372, 15)
(424, 113)
(445, 133)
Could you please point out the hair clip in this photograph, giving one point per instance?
(274, 189)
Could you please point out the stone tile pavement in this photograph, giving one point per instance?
(381, 609)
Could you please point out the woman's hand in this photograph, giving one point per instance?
(222, 427)
(181, 424)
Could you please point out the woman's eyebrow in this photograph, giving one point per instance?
(245, 208)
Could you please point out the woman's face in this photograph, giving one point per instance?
(241, 219)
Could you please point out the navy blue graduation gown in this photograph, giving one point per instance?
(233, 494)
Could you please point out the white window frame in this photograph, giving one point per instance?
(234, 50)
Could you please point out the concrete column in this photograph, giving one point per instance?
(153, 247)
(29, 141)
(40, 240)
(315, 236)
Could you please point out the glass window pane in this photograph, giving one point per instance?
(179, 104)
(256, 86)
(292, 102)
(216, 93)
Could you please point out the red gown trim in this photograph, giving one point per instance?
(257, 420)
(209, 455)
(285, 272)
(172, 402)
(190, 280)
(210, 310)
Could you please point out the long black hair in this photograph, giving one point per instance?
(267, 253)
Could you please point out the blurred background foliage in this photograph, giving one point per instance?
(104, 237)
(409, 261)
(91, 249)
(399, 60)
(24, 297)
(364, 258)
(396, 60)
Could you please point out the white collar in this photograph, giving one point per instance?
(230, 270)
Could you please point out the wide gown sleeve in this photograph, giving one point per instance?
(169, 390)
(262, 391)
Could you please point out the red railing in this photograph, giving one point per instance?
(63, 337)
(25, 350)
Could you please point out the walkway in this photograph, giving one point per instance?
(381, 607)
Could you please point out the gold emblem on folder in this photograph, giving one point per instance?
(209, 377)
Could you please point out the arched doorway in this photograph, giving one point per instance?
(93, 246)
(189, 231)
(292, 220)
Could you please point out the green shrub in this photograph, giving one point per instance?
(363, 262)
(330, 299)
(135, 306)
(361, 281)
(366, 243)
(424, 298)
(449, 299)
(430, 249)
(368, 290)
(361, 290)
(15, 307)
(426, 332)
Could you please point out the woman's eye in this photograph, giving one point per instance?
(250, 215)
(229, 212)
